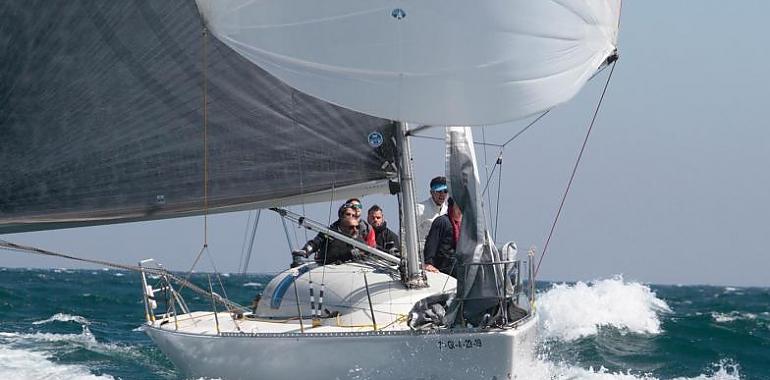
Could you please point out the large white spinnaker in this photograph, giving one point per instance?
(438, 62)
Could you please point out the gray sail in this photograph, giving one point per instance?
(102, 121)
(480, 285)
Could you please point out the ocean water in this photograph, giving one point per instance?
(83, 324)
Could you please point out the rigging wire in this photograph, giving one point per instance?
(205, 138)
(487, 209)
(515, 136)
(300, 167)
(9, 246)
(204, 71)
(250, 246)
(443, 139)
(503, 145)
(494, 168)
(499, 163)
(243, 244)
(574, 170)
(296, 241)
(204, 85)
(216, 272)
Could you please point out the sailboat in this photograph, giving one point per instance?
(133, 111)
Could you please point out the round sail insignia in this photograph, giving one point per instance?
(375, 139)
(398, 13)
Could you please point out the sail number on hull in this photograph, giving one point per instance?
(452, 344)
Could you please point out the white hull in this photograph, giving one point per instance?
(438, 354)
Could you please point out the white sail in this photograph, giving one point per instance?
(439, 62)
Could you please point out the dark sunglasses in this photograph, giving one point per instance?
(440, 191)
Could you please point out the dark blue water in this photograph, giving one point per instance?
(82, 324)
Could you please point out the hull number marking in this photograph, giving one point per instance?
(455, 344)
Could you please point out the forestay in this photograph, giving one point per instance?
(102, 121)
(437, 62)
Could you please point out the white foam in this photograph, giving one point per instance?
(61, 317)
(724, 370)
(722, 317)
(58, 342)
(569, 312)
(732, 316)
(21, 364)
(85, 338)
(546, 370)
(252, 284)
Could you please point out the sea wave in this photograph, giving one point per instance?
(53, 342)
(85, 338)
(569, 312)
(61, 317)
(732, 316)
(543, 369)
(23, 364)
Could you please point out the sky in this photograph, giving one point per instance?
(673, 187)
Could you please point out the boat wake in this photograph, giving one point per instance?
(38, 355)
(547, 370)
(609, 316)
(23, 364)
(30, 355)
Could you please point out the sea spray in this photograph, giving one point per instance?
(25, 364)
(569, 312)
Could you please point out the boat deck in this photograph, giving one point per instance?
(201, 322)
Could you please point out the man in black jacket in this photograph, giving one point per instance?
(331, 251)
(385, 238)
(441, 241)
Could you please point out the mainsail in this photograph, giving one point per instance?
(102, 121)
(436, 62)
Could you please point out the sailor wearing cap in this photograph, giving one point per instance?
(431, 208)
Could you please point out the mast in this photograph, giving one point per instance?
(409, 249)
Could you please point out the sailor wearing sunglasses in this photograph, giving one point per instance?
(431, 208)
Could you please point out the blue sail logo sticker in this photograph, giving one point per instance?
(375, 139)
(398, 13)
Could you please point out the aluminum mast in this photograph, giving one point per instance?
(409, 249)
